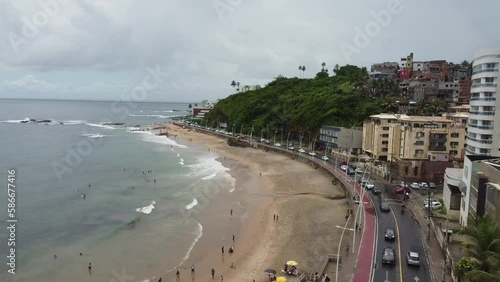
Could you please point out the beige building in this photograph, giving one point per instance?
(419, 146)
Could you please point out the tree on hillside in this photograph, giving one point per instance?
(238, 86)
(321, 75)
(335, 69)
(233, 84)
(483, 249)
(323, 64)
(303, 71)
(190, 106)
(465, 64)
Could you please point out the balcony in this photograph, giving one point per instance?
(438, 148)
(475, 85)
(482, 113)
(483, 99)
(485, 70)
(438, 140)
(482, 141)
(484, 127)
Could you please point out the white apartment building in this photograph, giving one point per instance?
(483, 136)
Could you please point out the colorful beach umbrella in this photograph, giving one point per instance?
(281, 279)
(292, 263)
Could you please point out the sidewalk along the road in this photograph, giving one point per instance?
(363, 266)
(434, 252)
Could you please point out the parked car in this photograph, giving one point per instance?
(402, 190)
(415, 185)
(433, 205)
(359, 170)
(432, 185)
(351, 171)
(277, 145)
(343, 167)
(426, 201)
(376, 191)
(312, 154)
(291, 148)
(385, 207)
(325, 158)
(389, 256)
(390, 235)
(412, 258)
(423, 185)
(302, 151)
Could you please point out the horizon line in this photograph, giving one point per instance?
(91, 100)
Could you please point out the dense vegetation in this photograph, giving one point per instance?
(304, 105)
(482, 252)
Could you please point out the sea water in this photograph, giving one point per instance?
(89, 190)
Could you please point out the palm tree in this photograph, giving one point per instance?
(300, 69)
(233, 84)
(483, 249)
(303, 71)
(336, 68)
(323, 64)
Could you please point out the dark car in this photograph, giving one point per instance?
(389, 256)
(390, 235)
(384, 206)
(376, 191)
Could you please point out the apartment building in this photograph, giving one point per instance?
(420, 147)
(340, 138)
(483, 137)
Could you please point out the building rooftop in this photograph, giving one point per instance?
(495, 163)
(426, 119)
(461, 107)
(454, 173)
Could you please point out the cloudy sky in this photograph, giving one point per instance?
(190, 50)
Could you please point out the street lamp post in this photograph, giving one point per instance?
(251, 133)
(241, 130)
(261, 134)
(338, 249)
(300, 140)
(287, 137)
(275, 131)
(282, 136)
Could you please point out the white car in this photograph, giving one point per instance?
(291, 148)
(412, 258)
(302, 151)
(277, 145)
(359, 170)
(325, 158)
(343, 167)
(424, 185)
(433, 205)
(415, 185)
(369, 186)
(312, 154)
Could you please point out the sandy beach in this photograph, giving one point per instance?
(306, 202)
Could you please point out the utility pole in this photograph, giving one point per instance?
(275, 131)
(282, 136)
(232, 127)
(287, 137)
(241, 130)
(262, 134)
(300, 140)
(251, 132)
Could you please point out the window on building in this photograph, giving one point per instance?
(488, 79)
(454, 144)
(415, 171)
(453, 152)
(420, 134)
(455, 135)
(488, 94)
(419, 143)
(385, 128)
(419, 151)
(385, 142)
(385, 135)
(384, 149)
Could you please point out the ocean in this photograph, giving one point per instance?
(93, 187)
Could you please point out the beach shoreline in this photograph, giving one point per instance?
(304, 199)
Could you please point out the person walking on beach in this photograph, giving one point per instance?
(233, 238)
(213, 273)
(192, 269)
(274, 217)
(231, 212)
(221, 279)
(90, 267)
(277, 217)
(159, 280)
(222, 250)
(178, 275)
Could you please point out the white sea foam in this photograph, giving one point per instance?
(181, 162)
(178, 155)
(16, 120)
(146, 209)
(210, 176)
(198, 233)
(72, 122)
(93, 135)
(161, 139)
(154, 116)
(100, 125)
(232, 189)
(192, 204)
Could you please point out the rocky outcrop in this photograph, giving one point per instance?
(236, 142)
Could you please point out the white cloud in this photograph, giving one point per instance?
(255, 41)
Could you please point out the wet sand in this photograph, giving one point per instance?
(308, 205)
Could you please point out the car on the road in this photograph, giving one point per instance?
(344, 167)
(350, 171)
(402, 190)
(390, 234)
(415, 185)
(312, 153)
(433, 205)
(291, 148)
(277, 145)
(369, 185)
(359, 170)
(385, 207)
(376, 191)
(432, 185)
(412, 258)
(325, 158)
(423, 185)
(388, 256)
(427, 201)
(302, 151)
